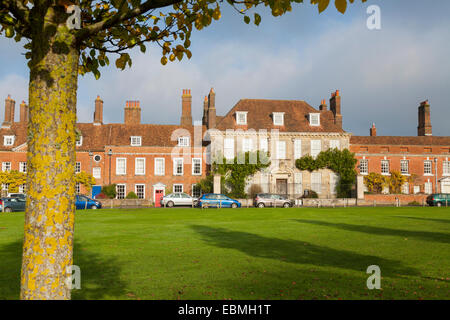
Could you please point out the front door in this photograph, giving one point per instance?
(158, 196)
(282, 186)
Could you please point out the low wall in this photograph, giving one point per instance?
(392, 199)
(125, 203)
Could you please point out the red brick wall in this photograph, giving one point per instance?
(392, 198)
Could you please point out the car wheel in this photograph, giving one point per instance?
(261, 205)
(94, 207)
(234, 205)
(169, 204)
(8, 210)
(286, 205)
(438, 204)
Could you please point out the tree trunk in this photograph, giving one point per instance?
(49, 220)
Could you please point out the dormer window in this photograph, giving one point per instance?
(278, 118)
(183, 141)
(8, 140)
(79, 141)
(241, 117)
(314, 119)
(136, 141)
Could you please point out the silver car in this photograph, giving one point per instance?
(178, 199)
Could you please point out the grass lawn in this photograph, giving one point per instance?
(294, 253)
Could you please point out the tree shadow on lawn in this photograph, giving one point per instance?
(100, 276)
(422, 235)
(425, 219)
(300, 252)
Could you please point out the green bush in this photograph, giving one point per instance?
(131, 195)
(310, 194)
(109, 191)
(414, 203)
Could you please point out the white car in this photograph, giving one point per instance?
(178, 199)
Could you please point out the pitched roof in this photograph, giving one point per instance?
(259, 116)
(398, 140)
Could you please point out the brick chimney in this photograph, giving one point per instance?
(424, 128)
(335, 107)
(373, 131)
(10, 106)
(24, 113)
(205, 112)
(132, 112)
(98, 113)
(211, 109)
(323, 105)
(186, 103)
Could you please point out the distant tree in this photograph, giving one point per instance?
(109, 191)
(131, 195)
(65, 38)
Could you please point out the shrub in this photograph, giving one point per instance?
(414, 203)
(131, 195)
(254, 190)
(109, 191)
(101, 195)
(310, 194)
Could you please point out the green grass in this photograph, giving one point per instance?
(249, 253)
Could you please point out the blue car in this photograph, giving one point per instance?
(83, 202)
(217, 200)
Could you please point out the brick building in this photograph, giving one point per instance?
(147, 159)
(425, 159)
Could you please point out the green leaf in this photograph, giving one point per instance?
(257, 19)
(323, 4)
(247, 19)
(341, 5)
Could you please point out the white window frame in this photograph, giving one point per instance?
(228, 148)
(77, 188)
(199, 160)
(364, 167)
(184, 141)
(162, 170)
(316, 185)
(136, 141)
(23, 167)
(6, 166)
(316, 147)
(297, 149)
(136, 190)
(427, 168)
(298, 183)
(247, 144)
(314, 119)
(446, 168)
(8, 140)
(124, 172)
(124, 190)
(263, 144)
(385, 164)
(178, 185)
(175, 166)
(240, 121)
(335, 144)
(428, 187)
(77, 167)
(405, 188)
(281, 151)
(404, 167)
(192, 190)
(23, 188)
(79, 142)
(278, 118)
(136, 167)
(97, 172)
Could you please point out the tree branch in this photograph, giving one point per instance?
(123, 16)
(18, 9)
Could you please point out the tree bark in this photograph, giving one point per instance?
(49, 220)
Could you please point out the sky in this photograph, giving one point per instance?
(382, 75)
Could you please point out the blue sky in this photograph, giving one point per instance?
(383, 74)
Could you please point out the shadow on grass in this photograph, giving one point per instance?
(100, 276)
(422, 235)
(295, 251)
(425, 219)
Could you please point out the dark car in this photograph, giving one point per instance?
(12, 204)
(438, 199)
(262, 200)
(217, 200)
(83, 202)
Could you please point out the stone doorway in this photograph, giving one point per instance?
(281, 186)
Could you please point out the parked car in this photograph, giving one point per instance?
(178, 199)
(12, 204)
(271, 200)
(217, 200)
(83, 202)
(17, 195)
(438, 199)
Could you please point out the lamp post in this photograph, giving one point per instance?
(435, 175)
(110, 154)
